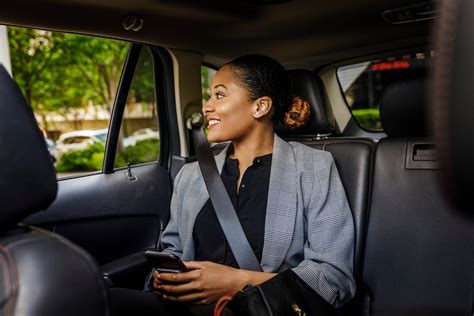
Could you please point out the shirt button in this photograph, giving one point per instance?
(243, 185)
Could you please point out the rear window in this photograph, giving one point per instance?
(363, 84)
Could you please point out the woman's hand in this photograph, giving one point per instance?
(204, 284)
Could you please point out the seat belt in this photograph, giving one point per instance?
(220, 200)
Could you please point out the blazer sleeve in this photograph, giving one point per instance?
(169, 240)
(329, 242)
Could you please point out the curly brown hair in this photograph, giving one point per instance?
(298, 114)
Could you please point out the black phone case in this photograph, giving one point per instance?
(165, 262)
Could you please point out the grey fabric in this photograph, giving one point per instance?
(308, 226)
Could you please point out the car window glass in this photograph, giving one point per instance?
(363, 84)
(139, 138)
(206, 76)
(70, 81)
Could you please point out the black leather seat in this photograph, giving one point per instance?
(40, 273)
(419, 257)
(353, 158)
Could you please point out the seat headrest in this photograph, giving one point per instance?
(27, 177)
(402, 109)
(306, 84)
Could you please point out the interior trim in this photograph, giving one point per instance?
(187, 85)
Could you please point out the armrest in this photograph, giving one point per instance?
(128, 272)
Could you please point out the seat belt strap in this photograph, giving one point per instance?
(222, 204)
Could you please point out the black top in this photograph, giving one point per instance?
(250, 204)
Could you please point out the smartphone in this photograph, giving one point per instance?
(165, 262)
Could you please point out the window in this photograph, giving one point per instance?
(139, 140)
(206, 76)
(70, 81)
(363, 84)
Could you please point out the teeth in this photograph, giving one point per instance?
(213, 122)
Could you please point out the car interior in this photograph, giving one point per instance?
(414, 247)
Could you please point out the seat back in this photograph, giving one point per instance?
(353, 156)
(419, 256)
(40, 273)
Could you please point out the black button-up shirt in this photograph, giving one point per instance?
(250, 204)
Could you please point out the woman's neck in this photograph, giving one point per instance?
(254, 145)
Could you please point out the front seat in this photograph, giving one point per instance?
(40, 273)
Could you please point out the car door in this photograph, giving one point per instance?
(117, 213)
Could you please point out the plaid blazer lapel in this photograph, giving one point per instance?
(193, 203)
(281, 206)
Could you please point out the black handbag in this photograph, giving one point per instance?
(284, 294)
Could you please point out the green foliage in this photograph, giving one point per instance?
(89, 159)
(93, 66)
(368, 119)
(146, 150)
(142, 89)
(205, 82)
(60, 72)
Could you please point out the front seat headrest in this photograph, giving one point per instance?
(305, 84)
(402, 109)
(27, 177)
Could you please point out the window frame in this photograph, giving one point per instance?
(120, 105)
(381, 55)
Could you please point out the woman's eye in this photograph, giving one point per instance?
(219, 95)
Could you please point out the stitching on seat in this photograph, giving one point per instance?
(12, 279)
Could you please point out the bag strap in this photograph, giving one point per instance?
(221, 304)
(222, 204)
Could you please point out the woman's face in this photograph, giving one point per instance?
(229, 110)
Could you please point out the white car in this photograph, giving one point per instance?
(140, 134)
(78, 140)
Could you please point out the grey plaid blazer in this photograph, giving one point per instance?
(308, 225)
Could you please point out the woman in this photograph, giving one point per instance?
(288, 197)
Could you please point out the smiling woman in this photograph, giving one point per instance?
(283, 220)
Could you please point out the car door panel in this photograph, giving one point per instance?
(112, 207)
(117, 214)
(109, 215)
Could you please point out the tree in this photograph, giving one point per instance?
(62, 73)
(98, 64)
(33, 53)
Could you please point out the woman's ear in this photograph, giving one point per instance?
(262, 107)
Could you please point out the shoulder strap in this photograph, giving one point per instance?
(222, 204)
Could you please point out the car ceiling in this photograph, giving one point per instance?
(299, 33)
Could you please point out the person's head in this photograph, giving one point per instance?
(252, 91)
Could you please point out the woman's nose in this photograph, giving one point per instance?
(208, 106)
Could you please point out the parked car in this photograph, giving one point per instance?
(414, 255)
(140, 134)
(78, 140)
(51, 146)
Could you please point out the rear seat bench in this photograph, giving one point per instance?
(419, 256)
(414, 255)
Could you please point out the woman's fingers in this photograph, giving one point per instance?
(176, 278)
(156, 279)
(183, 298)
(179, 289)
(193, 265)
(157, 283)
